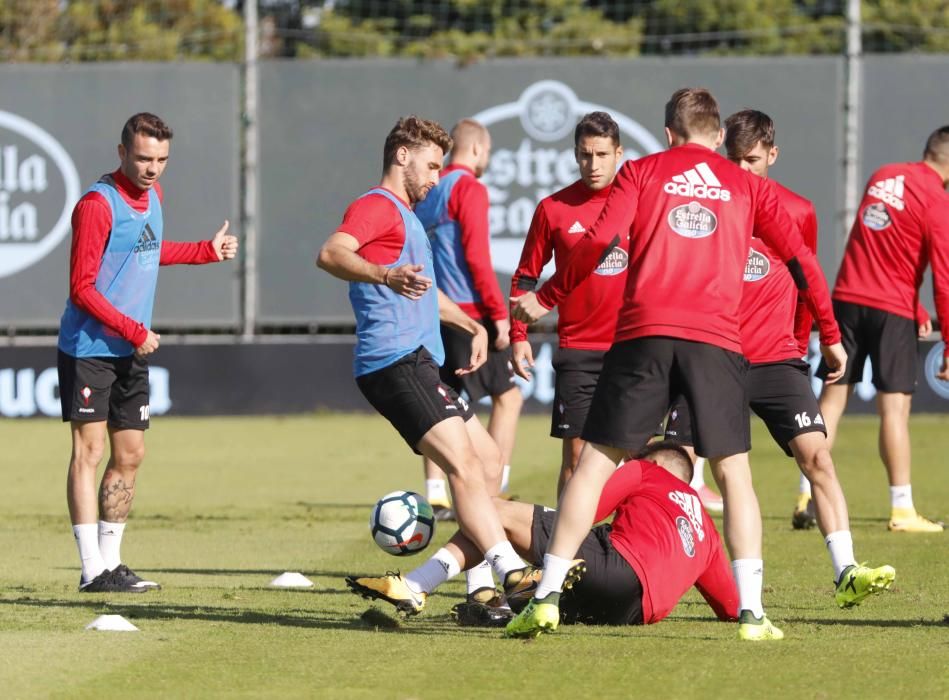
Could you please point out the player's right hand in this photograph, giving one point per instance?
(407, 281)
(523, 360)
(479, 351)
(925, 329)
(149, 346)
(836, 358)
(943, 372)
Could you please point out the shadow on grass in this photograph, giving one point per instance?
(830, 622)
(372, 620)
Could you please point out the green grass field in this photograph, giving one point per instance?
(223, 505)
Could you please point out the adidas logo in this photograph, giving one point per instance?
(889, 190)
(147, 241)
(576, 228)
(699, 182)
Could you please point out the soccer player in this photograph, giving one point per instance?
(660, 543)
(692, 214)
(773, 335)
(455, 215)
(587, 319)
(902, 225)
(382, 250)
(105, 338)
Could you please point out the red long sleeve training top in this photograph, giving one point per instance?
(587, 318)
(692, 214)
(775, 321)
(662, 530)
(902, 226)
(91, 226)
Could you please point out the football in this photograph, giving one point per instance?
(402, 522)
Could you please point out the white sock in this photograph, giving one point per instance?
(110, 542)
(749, 575)
(901, 496)
(433, 573)
(479, 576)
(805, 486)
(435, 490)
(505, 478)
(87, 539)
(555, 573)
(698, 475)
(840, 546)
(503, 559)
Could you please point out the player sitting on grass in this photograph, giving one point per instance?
(661, 542)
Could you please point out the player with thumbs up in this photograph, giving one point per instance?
(105, 338)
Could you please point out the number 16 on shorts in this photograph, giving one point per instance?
(804, 420)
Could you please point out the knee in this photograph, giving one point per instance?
(465, 465)
(129, 458)
(87, 454)
(818, 465)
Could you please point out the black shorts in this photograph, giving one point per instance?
(679, 422)
(890, 341)
(410, 395)
(113, 389)
(779, 393)
(642, 376)
(493, 378)
(609, 593)
(576, 372)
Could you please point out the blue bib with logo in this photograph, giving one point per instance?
(451, 268)
(389, 326)
(128, 276)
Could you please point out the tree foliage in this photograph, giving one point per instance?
(466, 30)
(119, 30)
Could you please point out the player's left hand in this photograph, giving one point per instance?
(925, 329)
(526, 308)
(836, 358)
(479, 351)
(225, 246)
(943, 373)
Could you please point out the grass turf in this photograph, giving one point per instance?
(224, 505)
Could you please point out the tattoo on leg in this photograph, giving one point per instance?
(115, 499)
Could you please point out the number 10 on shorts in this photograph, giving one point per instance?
(143, 412)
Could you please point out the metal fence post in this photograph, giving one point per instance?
(852, 121)
(249, 280)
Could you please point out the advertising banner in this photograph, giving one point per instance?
(237, 379)
(60, 127)
(323, 125)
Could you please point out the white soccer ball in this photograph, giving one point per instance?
(402, 522)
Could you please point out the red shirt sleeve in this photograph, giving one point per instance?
(617, 216)
(775, 227)
(623, 482)
(91, 225)
(375, 222)
(187, 253)
(803, 320)
(717, 584)
(537, 251)
(468, 205)
(937, 245)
